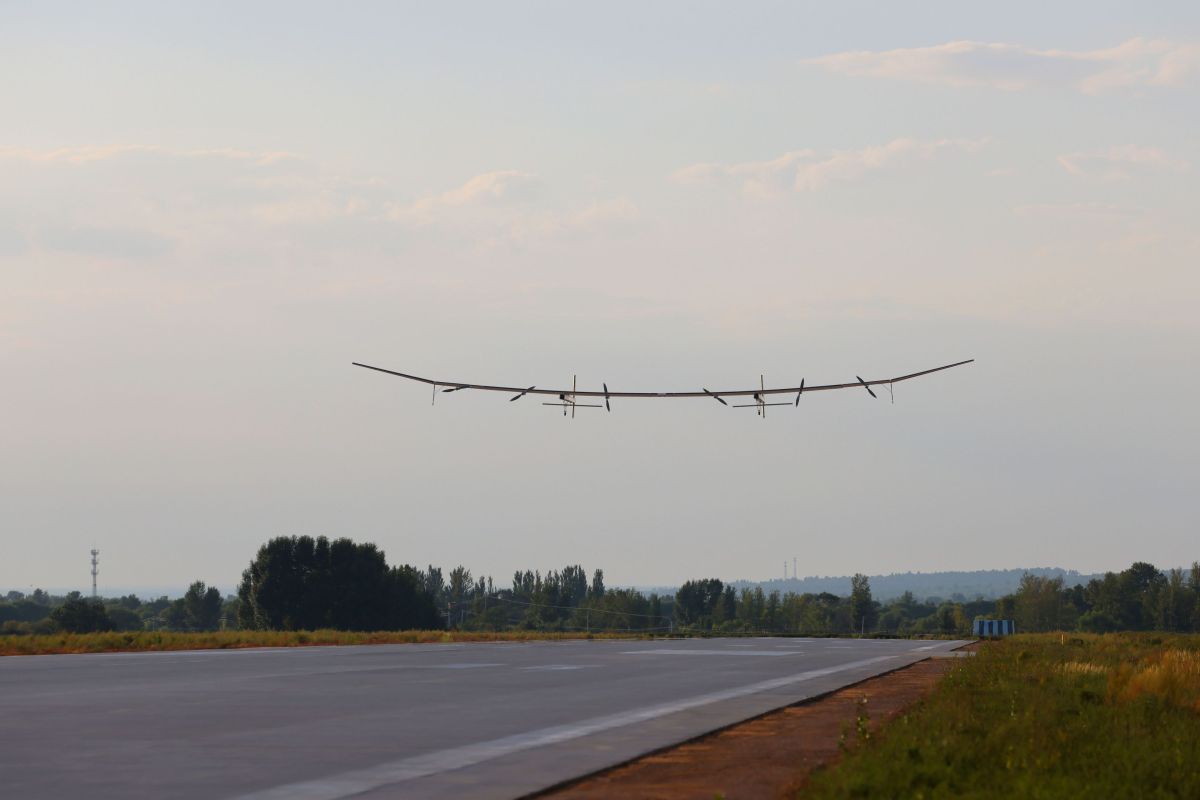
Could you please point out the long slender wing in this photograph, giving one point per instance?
(858, 384)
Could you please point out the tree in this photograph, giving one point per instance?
(1141, 585)
(434, 585)
(458, 593)
(1041, 604)
(696, 600)
(202, 607)
(79, 615)
(1194, 587)
(863, 608)
(122, 619)
(301, 583)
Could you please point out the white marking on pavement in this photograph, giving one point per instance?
(359, 781)
(465, 665)
(554, 667)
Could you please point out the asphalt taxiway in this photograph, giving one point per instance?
(481, 720)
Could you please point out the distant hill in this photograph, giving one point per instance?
(987, 583)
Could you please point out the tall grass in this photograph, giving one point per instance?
(1043, 716)
(148, 640)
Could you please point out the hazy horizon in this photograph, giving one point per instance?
(208, 212)
(229, 588)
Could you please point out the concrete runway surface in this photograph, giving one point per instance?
(486, 720)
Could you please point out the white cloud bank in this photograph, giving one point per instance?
(808, 170)
(1011, 67)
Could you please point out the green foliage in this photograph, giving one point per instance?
(20, 609)
(563, 600)
(863, 609)
(1039, 716)
(301, 583)
(122, 619)
(1140, 598)
(81, 615)
(202, 607)
(707, 605)
(696, 603)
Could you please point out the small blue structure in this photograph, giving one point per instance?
(994, 627)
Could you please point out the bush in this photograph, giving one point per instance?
(78, 615)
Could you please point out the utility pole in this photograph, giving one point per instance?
(95, 570)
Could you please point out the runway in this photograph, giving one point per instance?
(487, 720)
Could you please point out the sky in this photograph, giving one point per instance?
(209, 210)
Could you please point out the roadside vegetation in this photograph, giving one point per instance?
(131, 641)
(301, 583)
(1040, 716)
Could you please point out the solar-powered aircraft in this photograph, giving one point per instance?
(569, 398)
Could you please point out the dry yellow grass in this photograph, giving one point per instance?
(1043, 715)
(1083, 668)
(1172, 676)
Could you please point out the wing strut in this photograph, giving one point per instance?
(522, 394)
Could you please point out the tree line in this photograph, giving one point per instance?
(202, 608)
(307, 583)
(1141, 598)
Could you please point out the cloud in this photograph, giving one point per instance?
(1119, 162)
(1010, 67)
(807, 170)
(486, 189)
(757, 177)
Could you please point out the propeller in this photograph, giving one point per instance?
(455, 389)
(522, 394)
(802, 391)
(714, 397)
(606, 405)
(868, 388)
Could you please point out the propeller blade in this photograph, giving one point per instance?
(522, 394)
(800, 392)
(606, 405)
(868, 388)
(455, 389)
(714, 397)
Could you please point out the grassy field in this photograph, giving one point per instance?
(1042, 716)
(147, 640)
